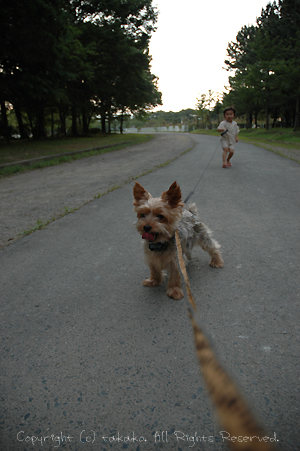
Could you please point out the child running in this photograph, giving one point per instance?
(229, 137)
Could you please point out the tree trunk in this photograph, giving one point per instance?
(287, 118)
(17, 110)
(39, 126)
(109, 120)
(62, 118)
(121, 123)
(30, 121)
(74, 122)
(85, 125)
(5, 122)
(103, 118)
(89, 118)
(297, 118)
(255, 118)
(249, 120)
(52, 123)
(267, 116)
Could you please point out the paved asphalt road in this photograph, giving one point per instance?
(89, 353)
(44, 194)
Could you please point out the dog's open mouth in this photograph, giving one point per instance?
(149, 236)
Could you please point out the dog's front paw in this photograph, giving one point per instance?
(216, 261)
(175, 293)
(150, 282)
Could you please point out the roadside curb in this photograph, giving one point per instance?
(58, 155)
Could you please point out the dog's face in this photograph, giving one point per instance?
(157, 217)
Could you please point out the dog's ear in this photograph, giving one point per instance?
(172, 196)
(139, 192)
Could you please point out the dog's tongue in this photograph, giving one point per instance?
(148, 236)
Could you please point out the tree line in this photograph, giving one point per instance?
(73, 60)
(265, 62)
(265, 65)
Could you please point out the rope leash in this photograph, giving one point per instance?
(193, 190)
(233, 412)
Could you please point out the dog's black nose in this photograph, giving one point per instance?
(147, 228)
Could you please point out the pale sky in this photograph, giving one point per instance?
(189, 46)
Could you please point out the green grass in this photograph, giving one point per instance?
(284, 135)
(282, 141)
(41, 225)
(280, 135)
(19, 151)
(201, 131)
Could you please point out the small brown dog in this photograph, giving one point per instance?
(158, 218)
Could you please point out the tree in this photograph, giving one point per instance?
(289, 68)
(31, 59)
(240, 53)
(122, 80)
(121, 64)
(201, 107)
(265, 61)
(136, 88)
(241, 58)
(76, 60)
(136, 17)
(204, 106)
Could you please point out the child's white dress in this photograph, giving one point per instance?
(228, 140)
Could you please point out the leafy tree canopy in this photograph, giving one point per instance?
(75, 58)
(265, 61)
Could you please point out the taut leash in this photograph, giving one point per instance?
(241, 429)
(193, 190)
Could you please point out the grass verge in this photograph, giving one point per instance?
(19, 150)
(41, 225)
(282, 141)
(130, 140)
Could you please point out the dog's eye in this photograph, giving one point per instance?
(142, 215)
(160, 217)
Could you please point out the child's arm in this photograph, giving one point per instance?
(220, 128)
(236, 136)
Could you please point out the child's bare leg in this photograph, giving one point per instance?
(225, 152)
(230, 155)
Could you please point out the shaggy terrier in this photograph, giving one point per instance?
(158, 218)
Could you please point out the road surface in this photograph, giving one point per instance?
(93, 360)
(46, 194)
